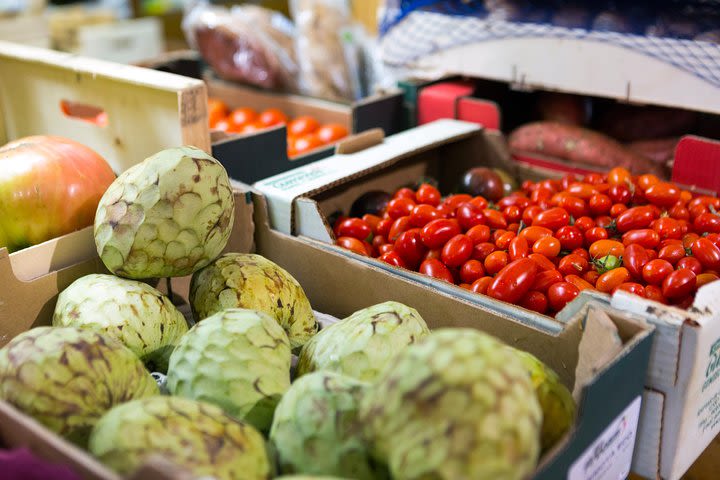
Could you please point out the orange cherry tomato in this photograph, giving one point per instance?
(611, 279)
(548, 246)
(543, 262)
(240, 117)
(354, 245)
(619, 176)
(646, 181)
(217, 110)
(579, 282)
(272, 117)
(331, 133)
(601, 248)
(481, 285)
(307, 143)
(533, 234)
(495, 262)
(705, 278)
(303, 125)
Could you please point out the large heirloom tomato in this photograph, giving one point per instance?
(49, 186)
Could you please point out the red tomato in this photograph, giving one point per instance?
(533, 234)
(436, 269)
(480, 202)
(679, 212)
(410, 247)
(611, 279)
(672, 253)
(619, 194)
(399, 226)
(378, 240)
(591, 276)
(647, 180)
(653, 292)
(619, 176)
(689, 238)
(573, 265)
(481, 285)
(470, 215)
(634, 218)
(437, 232)
(570, 237)
(393, 258)
(579, 282)
(593, 178)
(692, 263)
(582, 190)
(655, 271)
(631, 287)
(455, 201)
(495, 262)
(514, 227)
(514, 200)
(518, 248)
(548, 246)
(272, 117)
(372, 220)
(354, 227)
(303, 125)
(604, 221)
(600, 204)
(331, 133)
(479, 233)
(400, 207)
(545, 278)
(705, 278)
(707, 222)
(530, 213)
(713, 237)
(217, 110)
(385, 248)
(423, 214)
(493, 218)
(240, 117)
(435, 253)
(573, 205)
(482, 250)
(584, 224)
(582, 252)
(543, 263)
(535, 301)
(383, 227)
(601, 248)
(634, 259)
(562, 293)
(428, 194)
(595, 234)
(552, 219)
(503, 242)
(471, 271)
(512, 213)
(667, 227)
(568, 179)
(663, 194)
(457, 251)
(405, 192)
(644, 237)
(707, 253)
(353, 244)
(513, 281)
(679, 284)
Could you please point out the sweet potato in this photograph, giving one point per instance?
(578, 145)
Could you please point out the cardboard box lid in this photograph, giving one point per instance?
(282, 190)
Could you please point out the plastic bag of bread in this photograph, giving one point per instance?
(327, 49)
(247, 43)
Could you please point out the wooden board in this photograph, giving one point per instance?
(147, 111)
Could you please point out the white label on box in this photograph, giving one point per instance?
(610, 456)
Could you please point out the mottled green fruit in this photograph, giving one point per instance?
(193, 435)
(455, 405)
(237, 359)
(362, 345)
(133, 312)
(252, 281)
(167, 216)
(67, 378)
(316, 428)
(555, 399)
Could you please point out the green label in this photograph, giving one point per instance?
(712, 372)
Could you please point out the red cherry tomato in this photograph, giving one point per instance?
(471, 271)
(410, 247)
(655, 271)
(372, 220)
(482, 250)
(573, 265)
(530, 213)
(331, 133)
(535, 301)
(479, 233)
(579, 282)
(611, 279)
(543, 263)
(582, 252)
(272, 117)
(494, 218)
(560, 294)
(495, 262)
(354, 227)
(302, 125)
(481, 285)
(354, 245)
(689, 238)
(604, 221)
(672, 253)
(383, 227)
(422, 214)
(631, 287)
(667, 227)
(457, 251)
(570, 237)
(512, 213)
(692, 263)
(582, 190)
(573, 205)
(619, 194)
(634, 218)
(595, 234)
(679, 284)
(707, 222)
(437, 232)
(644, 236)
(399, 226)
(679, 212)
(584, 224)
(503, 241)
(385, 248)
(600, 204)
(591, 276)
(634, 259)
(705, 278)
(518, 248)
(593, 178)
(552, 218)
(470, 215)
(653, 292)
(663, 194)
(400, 207)
(455, 201)
(405, 192)
(436, 269)
(393, 258)
(513, 281)
(619, 176)
(647, 180)
(707, 253)
(545, 278)
(428, 194)
(548, 246)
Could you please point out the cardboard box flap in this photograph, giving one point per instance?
(284, 188)
(647, 452)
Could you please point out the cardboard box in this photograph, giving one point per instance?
(49, 93)
(678, 407)
(609, 383)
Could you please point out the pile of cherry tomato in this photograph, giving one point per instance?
(305, 133)
(540, 246)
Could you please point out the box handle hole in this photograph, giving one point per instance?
(84, 112)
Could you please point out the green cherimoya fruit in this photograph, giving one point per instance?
(196, 436)
(167, 216)
(237, 280)
(67, 377)
(362, 344)
(135, 313)
(237, 359)
(455, 405)
(555, 399)
(316, 430)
